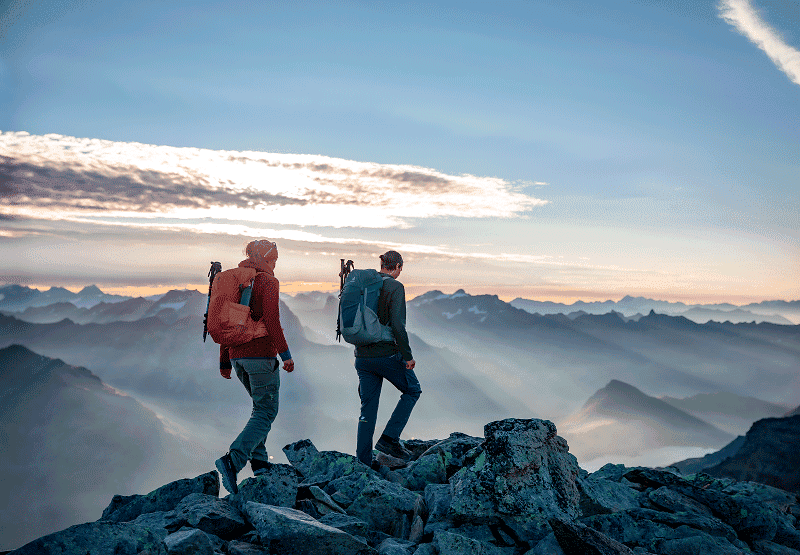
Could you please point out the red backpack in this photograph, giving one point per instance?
(229, 321)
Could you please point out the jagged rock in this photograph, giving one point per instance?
(209, 514)
(323, 502)
(418, 446)
(394, 546)
(344, 490)
(674, 502)
(547, 546)
(97, 538)
(346, 523)
(437, 499)
(124, 508)
(156, 522)
(697, 544)
(289, 532)
(451, 543)
(577, 539)
(605, 496)
(763, 547)
(752, 521)
(768, 455)
(426, 549)
(188, 542)
(440, 461)
(524, 475)
(624, 528)
(390, 462)
(321, 467)
(276, 486)
(417, 530)
(385, 506)
(244, 548)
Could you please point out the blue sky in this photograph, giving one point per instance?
(609, 147)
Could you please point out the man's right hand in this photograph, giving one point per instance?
(410, 364)
(288, 365)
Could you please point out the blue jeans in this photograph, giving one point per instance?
(261, 378)
(371, 372)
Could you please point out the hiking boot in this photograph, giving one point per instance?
(259, 467)
(392, 447)
(227, 472)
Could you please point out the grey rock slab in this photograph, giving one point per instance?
(599, 496)
(245, 548)
(124, 508)
(437, 499)
(385, 506)
(394, 546)
(346, 523)
(763, 547)
(672, 501)
(347, 488)
(575, 538)
(698, 544)
(325, 499)
(209, 514)
(289, 531)
(156, 522)
(426, 549)
(451, 543)
(547, 546)
(325, 466)
(417, 530)
(97, 538)
(188, 542)
(428, 469)
(276, 486)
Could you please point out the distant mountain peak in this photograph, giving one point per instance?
(90, 290)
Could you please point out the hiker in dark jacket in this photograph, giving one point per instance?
(256, 366)
(391, 360)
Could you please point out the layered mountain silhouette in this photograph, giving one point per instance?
(69, 441)
(621, 419)
(776, 312)
(730, 412)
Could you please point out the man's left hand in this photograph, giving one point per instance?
(225, 373)
(288, 365)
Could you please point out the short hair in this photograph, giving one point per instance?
(391, 259)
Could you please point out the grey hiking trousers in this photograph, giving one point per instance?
(261, 378)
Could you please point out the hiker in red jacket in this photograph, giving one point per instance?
(256, 366)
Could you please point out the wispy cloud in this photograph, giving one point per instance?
(744, 18)
(70, 176)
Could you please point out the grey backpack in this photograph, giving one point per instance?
(358, 309)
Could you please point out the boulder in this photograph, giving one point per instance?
(546, 546)
(124, 508)
(524, 475)
(598, 496)
(188, 542)
(346, 523)
(437, 499)
(575, 538)
(245, 548)
(209, 514)
(97, 538)
(276, 486)
(451, 543)
(291, 532)
(345, 489)
(394, 546)
(386, 507)
(155, 522)
(318, 467)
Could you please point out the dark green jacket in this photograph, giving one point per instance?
(392, 313)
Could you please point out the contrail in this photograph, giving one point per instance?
(744, 18)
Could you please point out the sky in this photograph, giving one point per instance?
(546, 150)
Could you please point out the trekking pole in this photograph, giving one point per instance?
(346, 268)
(216, 268)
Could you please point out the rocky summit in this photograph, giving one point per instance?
(516, 491)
